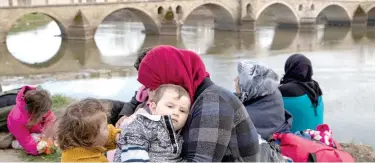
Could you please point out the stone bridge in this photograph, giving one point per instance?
(79, 19)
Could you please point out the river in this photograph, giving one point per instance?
(343, 61)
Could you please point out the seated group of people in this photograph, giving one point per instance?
(179, 113)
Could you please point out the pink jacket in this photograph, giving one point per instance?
(18, 119)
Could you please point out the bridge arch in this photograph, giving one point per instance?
(371, 16)
(369, 8)
(151, 26)
(18, 16)
(359, 18)
(223, 17)
(284, 13)
(334, 14)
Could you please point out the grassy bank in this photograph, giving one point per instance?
(30, 22)
(60, 101)
(361, 153)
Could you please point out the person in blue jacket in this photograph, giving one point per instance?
(302, 96)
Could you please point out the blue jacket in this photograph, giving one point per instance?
(297, 102)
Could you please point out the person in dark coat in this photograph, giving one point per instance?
(257, 87)
(302, 96)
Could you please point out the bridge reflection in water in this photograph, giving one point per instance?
(116, 45)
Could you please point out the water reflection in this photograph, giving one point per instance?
(117, 40)
(35, 46)
(265, 37)
(198, 39)
(116, 44)
(371, 34)
(334, 35)
(84, 53)
(153, 40)
(283, 39)
(358, 33)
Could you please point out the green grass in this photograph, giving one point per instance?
(30, 22)
(59, 101)
(55, 157)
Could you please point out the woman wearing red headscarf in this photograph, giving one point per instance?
(218, 127)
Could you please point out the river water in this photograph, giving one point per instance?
(343, 61)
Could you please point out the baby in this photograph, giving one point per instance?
(155, 137)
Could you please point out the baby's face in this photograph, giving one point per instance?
(171, 104)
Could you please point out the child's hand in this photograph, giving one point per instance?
(117, 137)
(45, 146)
(117, 125)
(41, 146)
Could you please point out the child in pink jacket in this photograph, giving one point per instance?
(31, 114)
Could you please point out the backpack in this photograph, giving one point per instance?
(305, 150)
(7, 102)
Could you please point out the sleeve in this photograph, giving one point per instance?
(117, 106)
(209, 130)
(134, 143)
(129, 107)
(111, 141)
(49, 120)
(23, 136)
(49, 128)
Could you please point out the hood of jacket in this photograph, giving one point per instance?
(256, 80)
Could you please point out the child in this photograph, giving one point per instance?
(156, 137)
(30, 117)
(83, 134)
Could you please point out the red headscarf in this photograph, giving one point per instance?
(168, 65)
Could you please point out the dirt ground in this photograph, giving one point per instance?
(361, 153)
(11, 155)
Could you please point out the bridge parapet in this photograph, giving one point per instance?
(54, 3)
(79, 19)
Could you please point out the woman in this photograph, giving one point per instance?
(302, 95)
(218, 127)
(257, 87)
